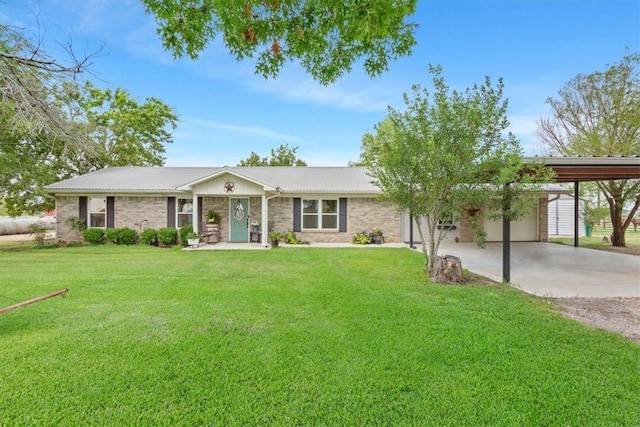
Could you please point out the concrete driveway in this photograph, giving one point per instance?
(553, 270)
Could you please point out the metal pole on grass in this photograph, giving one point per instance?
(36, 299)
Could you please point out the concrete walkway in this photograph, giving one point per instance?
(553, 270)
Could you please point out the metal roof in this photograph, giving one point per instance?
(586, 168)
(172, 179)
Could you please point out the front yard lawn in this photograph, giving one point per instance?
(350, 336)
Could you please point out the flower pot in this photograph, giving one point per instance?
(193, 242)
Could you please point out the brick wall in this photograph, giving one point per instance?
(465, 232)
(543, 219)
(363, 214)
(66, 207)
(219, 205)
(130, 211)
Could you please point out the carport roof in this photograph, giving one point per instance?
(586, 168)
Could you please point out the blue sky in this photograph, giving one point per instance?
(226, 111)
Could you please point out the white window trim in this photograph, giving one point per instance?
(319, 215)
(91, 212)
(184, 214)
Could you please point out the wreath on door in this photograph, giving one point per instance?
(238, 212)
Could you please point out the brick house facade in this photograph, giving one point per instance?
(318, 204)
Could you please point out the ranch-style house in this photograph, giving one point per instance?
(320, 204)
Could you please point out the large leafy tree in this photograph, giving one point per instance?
(446, 154)
(127, 132)
(325, 36)
(117, 129)
(598, 114)
(281, 156)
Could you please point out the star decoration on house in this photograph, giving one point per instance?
(229, 186)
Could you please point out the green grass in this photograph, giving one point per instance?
(595, 241)
(353, 336)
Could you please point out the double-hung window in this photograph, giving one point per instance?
(185, 212)
(320, 214)
(97, 212)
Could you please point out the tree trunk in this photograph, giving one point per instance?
(614, 191)
(446, 269)
(617, 238)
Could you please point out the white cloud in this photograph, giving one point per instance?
(348, 94)
(190, 122)
(104, 17)
(143, 42)
(523, 124)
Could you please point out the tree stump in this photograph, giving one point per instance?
(446, 269)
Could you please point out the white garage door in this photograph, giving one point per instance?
(525, 230)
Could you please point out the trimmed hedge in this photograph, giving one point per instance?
(121, 236)
(93, 235)
(149, 237)
(168, 236)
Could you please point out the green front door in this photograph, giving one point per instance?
(239, 209)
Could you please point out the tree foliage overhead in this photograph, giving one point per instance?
(325, 36)
(27, 77)
(446, 153)
(598, 114)
(281, 156)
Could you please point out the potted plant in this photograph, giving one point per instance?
(193, 239)
(275, 237)
(212, 222)
(212, 217)
(376, 236)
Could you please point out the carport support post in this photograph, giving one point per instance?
(576, 216)
(506, 234)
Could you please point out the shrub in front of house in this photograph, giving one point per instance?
(185, 231)
(127, 236)
(93, 235)
(111, 235)
(39, 232)
(149, 237)
(361, 238)
(168, 236)
(292, 239)
(121, 236)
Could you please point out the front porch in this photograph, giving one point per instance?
(241, 204)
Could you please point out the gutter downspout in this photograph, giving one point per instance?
(265, 215)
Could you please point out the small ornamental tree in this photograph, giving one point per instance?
(446, 154)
